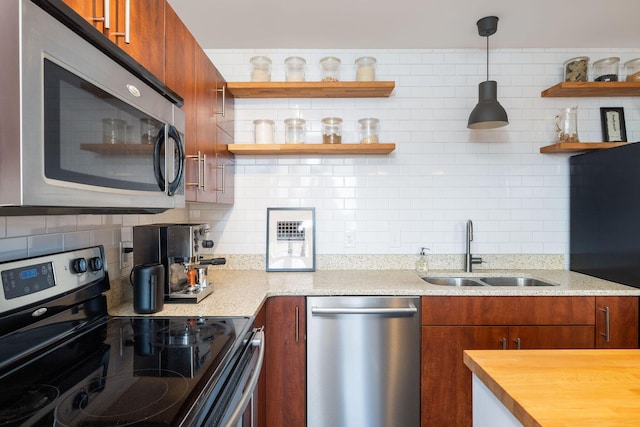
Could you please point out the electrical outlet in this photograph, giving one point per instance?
(350, 239)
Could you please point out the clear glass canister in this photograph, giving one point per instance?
(332, 130)
(632, 70)
(263, 131)
(260, 69)
(606, 70)
(567, 125)
(295, 68)
(368, 129)
(149, 129)
(294, 131)
(366, 69)
(575, 69)
(114, 131)
(330, 69)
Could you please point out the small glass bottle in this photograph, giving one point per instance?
(295, 68)
(422, 265)
(368, 129)
(263, 131)
(366, 69)
(606, 70)
(332, 130)
(260, 69)
(294, 131)
(330, 69)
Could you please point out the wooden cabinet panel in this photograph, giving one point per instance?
(507, 310)
(260, 321)
(623, 322)
(146, 28)
(551, 337)
(285, 361)
(225, 168)
(446, 382)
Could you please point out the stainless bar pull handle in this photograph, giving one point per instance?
(223, 89)
(607, 325)
(199, 161)
(403, 311)
(107, 15)
(297, 323)
(503, 343)
(517, 341)
(127, 23)
(204, 172)
(222, 174)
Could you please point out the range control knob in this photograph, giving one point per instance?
(207, 243)
(79, 265)
(95, 264)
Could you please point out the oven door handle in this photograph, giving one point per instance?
(257, 341)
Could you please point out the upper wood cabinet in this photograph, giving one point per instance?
(136, 26)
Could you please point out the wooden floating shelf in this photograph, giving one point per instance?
(588, 89)
(113, 149)
(302, 149)
(381, 89)
(574, 147)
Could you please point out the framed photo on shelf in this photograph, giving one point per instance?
(291, 239)
(613, 127)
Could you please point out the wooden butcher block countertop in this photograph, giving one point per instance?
(563, 387)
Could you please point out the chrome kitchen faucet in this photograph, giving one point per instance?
(469, 259)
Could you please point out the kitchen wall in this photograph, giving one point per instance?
(440, 174)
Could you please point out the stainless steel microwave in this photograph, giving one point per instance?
(79, 132)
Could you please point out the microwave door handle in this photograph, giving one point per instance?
(257, 341)
(175, 184)
(157, 159)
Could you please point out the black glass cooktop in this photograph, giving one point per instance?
(149, 371)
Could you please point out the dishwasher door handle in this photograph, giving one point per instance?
(398, 311)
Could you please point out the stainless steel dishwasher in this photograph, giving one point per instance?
(363, 361)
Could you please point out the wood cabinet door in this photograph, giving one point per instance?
(179, 71)
(551, 337)
(225, 168)
(146, 28)
(146, 32)
(622, 328)
(205, 93)
(285, 361)
(225, 106)
(445, 380)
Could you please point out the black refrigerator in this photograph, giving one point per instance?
(605, 214)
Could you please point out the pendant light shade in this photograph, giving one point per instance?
(488, 114)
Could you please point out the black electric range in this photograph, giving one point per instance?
(65, 362)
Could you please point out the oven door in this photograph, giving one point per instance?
(92, 133)
(236, 404)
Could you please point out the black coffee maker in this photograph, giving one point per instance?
(177, 247)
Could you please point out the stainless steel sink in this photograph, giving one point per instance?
(452, 281)
(486, 281)
(514, 281)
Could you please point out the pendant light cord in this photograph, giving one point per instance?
(487, 58)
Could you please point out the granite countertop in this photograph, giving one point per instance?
(242, 292)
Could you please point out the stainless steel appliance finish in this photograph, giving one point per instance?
(178, 247)
(74, 122)
(114, 371)
(363, 361)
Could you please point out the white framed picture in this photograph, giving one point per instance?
(291, 239)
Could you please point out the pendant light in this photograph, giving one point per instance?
(488, 114)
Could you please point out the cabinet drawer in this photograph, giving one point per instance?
(508, 310)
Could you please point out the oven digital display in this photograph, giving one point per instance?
(23, 281)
